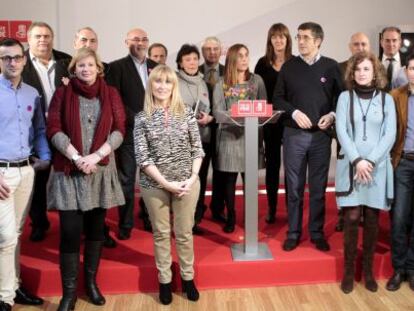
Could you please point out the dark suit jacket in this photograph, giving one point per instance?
(123, 75)
(31, 77)
(209, 87)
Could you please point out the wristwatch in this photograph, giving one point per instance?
(75, 157)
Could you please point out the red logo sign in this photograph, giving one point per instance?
(249, 108)
(4, 29)
(14, 29)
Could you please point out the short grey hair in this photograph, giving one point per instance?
(211, 39)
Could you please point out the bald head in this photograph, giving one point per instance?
(359, 43)
(137, 42)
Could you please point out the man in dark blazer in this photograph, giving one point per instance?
(212, 71)
(391, 57)
(44, 64)
(130, 75)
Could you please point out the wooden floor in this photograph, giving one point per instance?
(306, 297)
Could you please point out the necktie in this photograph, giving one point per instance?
(389, 71)
(212, 77)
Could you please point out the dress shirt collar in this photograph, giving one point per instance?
(7, 83)
(397, 58)
(207, 68)
(312, 61)
(137, 61)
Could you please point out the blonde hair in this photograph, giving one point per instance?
(83, 53)
(177, 106)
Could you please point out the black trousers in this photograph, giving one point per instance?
(306, 151)
(202, 174)
(217, 197)
(273, 143)
(74, 223)
(127, 170)
(38, 208)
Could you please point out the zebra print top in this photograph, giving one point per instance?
(169, 142)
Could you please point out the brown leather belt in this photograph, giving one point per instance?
(408, 156)
(15, 164)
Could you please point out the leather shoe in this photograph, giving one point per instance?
(5, 306)
(197, 230)
(321, 244)
(395, 281)
(410, 279)
(219, 217)
(124, 234)
(290, 244)
(37, 234)
(147, 224)
(228, 228)
(270, 219)
(23, 297)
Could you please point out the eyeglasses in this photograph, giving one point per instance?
(304, 38)
(137, 40)
(8, 59)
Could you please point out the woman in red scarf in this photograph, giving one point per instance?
(86, 122)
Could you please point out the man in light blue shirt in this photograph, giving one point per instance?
(23, 133)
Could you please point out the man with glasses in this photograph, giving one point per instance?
(23, 130)
(307, 89)
(44, 70)
(130, 75)
(212, 71)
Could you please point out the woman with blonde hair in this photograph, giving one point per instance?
(169, 154)
(238, 83)
(86, 123)
(366, 129)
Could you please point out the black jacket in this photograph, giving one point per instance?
(31, 77)
(123, 75)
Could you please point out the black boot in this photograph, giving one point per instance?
(109, 241)
(92, 256)
(165, 293)
(368, 247)
(230, 221)
(190, 289)
(69, 266)
(350, 251)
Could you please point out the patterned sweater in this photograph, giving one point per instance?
(169, 142)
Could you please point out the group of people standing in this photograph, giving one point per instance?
(97, 123)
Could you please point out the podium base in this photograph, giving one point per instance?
(238, 253)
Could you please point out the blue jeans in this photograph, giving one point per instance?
(402, 233)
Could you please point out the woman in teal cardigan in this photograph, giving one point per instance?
(366, 129)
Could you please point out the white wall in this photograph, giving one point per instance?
(178, 22)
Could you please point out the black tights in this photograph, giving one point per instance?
(74, 223)
(229, 180)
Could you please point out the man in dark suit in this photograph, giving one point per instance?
(130, 75)
(212, 71)
(391, 57)
(44, 70)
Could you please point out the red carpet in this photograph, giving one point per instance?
(131, 268)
